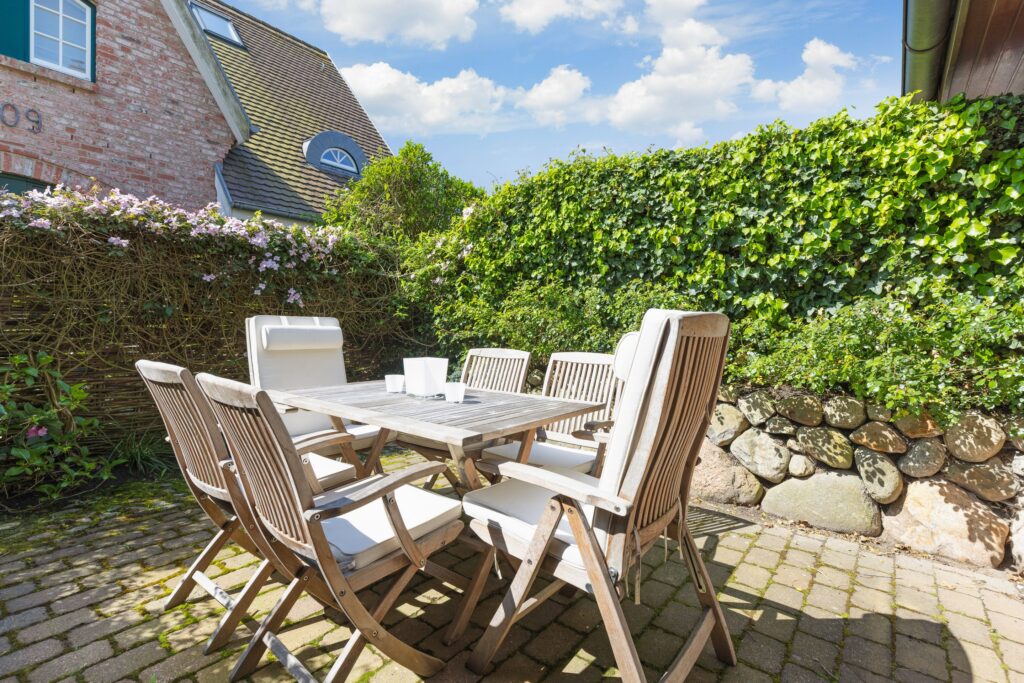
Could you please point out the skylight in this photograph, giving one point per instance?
(217, 24)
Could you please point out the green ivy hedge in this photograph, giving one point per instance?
(782, 229)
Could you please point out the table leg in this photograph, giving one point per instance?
(468, 477)
(525, 444)
(348, 453)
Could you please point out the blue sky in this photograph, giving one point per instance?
(492, 87)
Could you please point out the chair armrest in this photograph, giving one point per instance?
(598, 425)
(557, 483)
(596, 437)
(371, 492)
(327, 437)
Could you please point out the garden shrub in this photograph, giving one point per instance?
(42, 431)
(779, 229)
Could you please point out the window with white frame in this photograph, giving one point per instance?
(336, 157)
(61, 36)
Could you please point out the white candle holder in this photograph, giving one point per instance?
(394, 384)
(455, 392)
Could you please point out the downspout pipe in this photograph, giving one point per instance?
(926, 30)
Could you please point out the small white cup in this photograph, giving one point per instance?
(394, 384)
(455, 392)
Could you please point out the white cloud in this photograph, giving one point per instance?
(433, 23)
(398, 101)
(559, 98)
(535, 15)
(818, 88)
(691, 80)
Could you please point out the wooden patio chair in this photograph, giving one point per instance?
(200, 451)
(591, 532)
(302, 352)
(501, 370)
(572, 444)
(336, 544)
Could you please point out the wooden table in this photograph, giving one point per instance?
(477, 422)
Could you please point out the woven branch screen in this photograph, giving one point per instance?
(100, 291)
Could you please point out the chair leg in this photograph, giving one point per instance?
(188, 582)
(229, 622)
(720, 638)
(470, 598)
(504, 616)
(250, 659)
(607, 597)
(347, 659)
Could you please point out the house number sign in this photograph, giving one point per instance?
(11, 117)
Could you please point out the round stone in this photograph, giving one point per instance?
(757, 406)
(845, 412)
(918, 426)
(728, 393)
(762, 455)
(826, 445)
(780, 425)
(801, 408)
(1015, 432)
(882, 479)
(727, 423)
(880, 437)
(924, 458)
(878, 413)
(720, 478)
(975, 438)
(801, 466)
(828, 499)
(937, 517)
(992, 480)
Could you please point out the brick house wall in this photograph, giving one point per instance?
(147, 125)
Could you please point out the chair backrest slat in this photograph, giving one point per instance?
(579, 377)
(295, 365)
(496, 369)
(190, 424)
(265, 456)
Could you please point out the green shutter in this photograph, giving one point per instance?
(18, 184)
(14, 29)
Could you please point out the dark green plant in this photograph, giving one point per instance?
(41, 431)
(146, 454)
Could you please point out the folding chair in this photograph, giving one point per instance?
(302, 352)
(200, 451)
(485, 369)
(336, 544)
(591, 532)
(571, 443)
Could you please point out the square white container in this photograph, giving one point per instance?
(425, 376)
(394, 384)
(455, 392)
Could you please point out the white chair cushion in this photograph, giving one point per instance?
(515, 508)
(330, 472)
(546, 454)
(363, 536)
(301, 338)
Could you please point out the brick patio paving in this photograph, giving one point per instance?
(81, 593)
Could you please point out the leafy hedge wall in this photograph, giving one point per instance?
(798, 234)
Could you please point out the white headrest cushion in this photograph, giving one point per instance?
(624, 353)
(301, 338)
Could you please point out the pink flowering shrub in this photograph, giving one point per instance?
(282, 256)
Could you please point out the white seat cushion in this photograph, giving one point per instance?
(330, 472)
(546, 454)
(363, 436)
(363, 536)
(515, 508)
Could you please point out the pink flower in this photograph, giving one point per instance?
(36, 431)
(117, 241)
(40, 223)
(209, 277)
(294, 298)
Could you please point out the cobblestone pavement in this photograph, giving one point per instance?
(81, 592)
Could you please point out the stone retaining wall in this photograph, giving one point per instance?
(839, 464)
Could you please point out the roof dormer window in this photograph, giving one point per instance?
(336, 157)
(216, 24)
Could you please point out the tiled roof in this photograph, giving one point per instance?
(291, 91)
